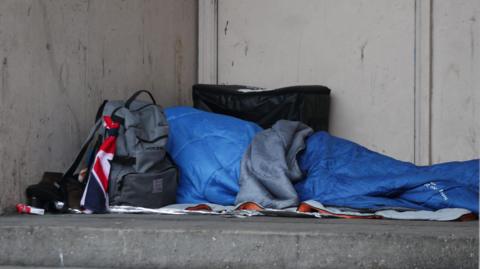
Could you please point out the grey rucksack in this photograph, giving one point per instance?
(141, 173)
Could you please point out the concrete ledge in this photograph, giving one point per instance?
(155, 241)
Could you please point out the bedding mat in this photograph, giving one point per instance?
(307, 209)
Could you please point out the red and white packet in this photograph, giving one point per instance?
(23, 208)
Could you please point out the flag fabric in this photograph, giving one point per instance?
(95, 196)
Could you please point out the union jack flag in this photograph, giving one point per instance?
(95, 196)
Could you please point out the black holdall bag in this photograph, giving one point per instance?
(309, 104)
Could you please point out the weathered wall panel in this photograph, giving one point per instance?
(456, 80)
(60, 59)
(362, 50)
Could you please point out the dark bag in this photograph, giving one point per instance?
(308, 104)
(46, 193)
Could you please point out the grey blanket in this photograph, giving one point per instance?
(269, 167)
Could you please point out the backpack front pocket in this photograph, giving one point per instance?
(151, 190)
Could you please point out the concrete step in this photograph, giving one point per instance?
(198, 241)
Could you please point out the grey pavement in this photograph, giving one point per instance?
(199, 241)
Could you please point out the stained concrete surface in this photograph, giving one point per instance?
(366, 52)
(60, 59)
(159, 241)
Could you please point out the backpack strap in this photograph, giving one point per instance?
(83, 149)
(100, 110)
(135, 95)
(68, 176)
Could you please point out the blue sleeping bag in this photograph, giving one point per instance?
(208, 149)
(342, 173)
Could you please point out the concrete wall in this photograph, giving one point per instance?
(368, 53)
(456, 80)
(60, 59)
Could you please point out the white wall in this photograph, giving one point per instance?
(386, 95)
(59, 60)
